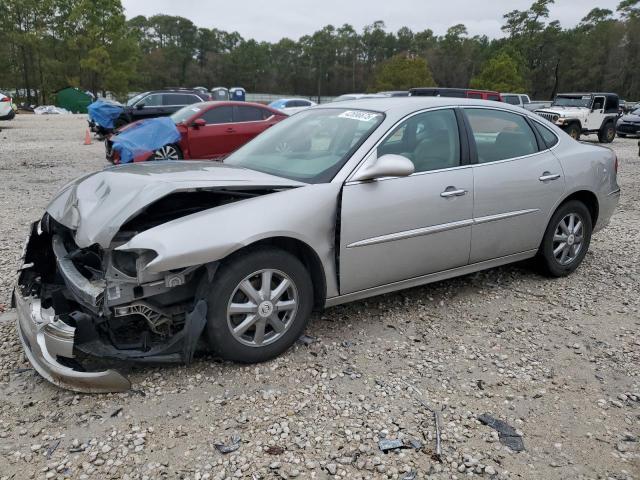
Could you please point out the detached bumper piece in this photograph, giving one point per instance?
(44, 338)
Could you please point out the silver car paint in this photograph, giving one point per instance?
(307, 214)
(400, 228)
(97, 205)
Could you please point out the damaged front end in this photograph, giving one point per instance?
(77, 305)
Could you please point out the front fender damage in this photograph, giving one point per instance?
(67, 336)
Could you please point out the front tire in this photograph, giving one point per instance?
(574, 131)
(566, 240)
(607, 133)
(259, 303)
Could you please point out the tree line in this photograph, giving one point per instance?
(46, 45)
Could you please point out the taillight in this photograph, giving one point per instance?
(5, 99)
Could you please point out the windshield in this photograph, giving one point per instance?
(310, 146)
(184, 113)
(635, 112)
(581, 101)
(133, 100)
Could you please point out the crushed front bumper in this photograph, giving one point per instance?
(44, 338)
(47, 339)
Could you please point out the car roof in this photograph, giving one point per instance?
(587, 93)
(409, 104)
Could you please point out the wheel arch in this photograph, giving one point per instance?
(588, 198)
(303, 252)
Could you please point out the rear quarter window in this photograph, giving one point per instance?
(547, 135)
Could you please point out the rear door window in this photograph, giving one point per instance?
(474, 95)
(493, 97)
(247, 114)
(500, 135)
(172, 99)
(218, 115)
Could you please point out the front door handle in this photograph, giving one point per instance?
(546, 176)
(230, 130)
(452, 192)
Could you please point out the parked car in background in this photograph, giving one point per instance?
(455, 92)
(584, 114)
(518, 99)
(155, 103)
(149, 262)
(629, 124)
(292, 105)
(209, 130)
(6, 108)
(395, 93)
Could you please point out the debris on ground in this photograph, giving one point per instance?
(50, 110)
(306, 340)
(506, 433)
(274, 450)
(232, 446)
(387, 445)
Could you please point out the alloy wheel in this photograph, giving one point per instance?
(262, 307)
(568, 238)
(168, 152)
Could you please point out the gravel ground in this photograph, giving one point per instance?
(559, 360)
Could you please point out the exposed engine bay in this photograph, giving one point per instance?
(117, 309)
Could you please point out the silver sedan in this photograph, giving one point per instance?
(154, 262)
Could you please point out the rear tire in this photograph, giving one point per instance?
(566, 240)
(574, 131)
(607, 133)
(259, 303)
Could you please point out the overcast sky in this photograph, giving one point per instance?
(274, 19)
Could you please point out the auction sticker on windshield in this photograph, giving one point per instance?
(359, 115)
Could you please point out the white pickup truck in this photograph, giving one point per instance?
(523, 100)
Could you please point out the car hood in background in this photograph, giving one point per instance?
(630, 118)
(97, 205)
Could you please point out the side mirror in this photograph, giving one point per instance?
(198, 122)
(139, 106)
(388, 165)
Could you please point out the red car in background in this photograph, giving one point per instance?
(210, 130)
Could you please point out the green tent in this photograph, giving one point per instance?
(73, 99)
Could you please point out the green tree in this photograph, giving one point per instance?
(402, 73)
(500, 74)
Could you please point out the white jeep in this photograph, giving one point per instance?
(584, 113)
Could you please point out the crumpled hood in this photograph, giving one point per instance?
(97, 205)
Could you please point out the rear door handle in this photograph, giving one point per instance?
(453, 193)
(546, 176)
(230, 130)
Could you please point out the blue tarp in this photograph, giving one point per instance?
(140, 140)
(104, 113)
